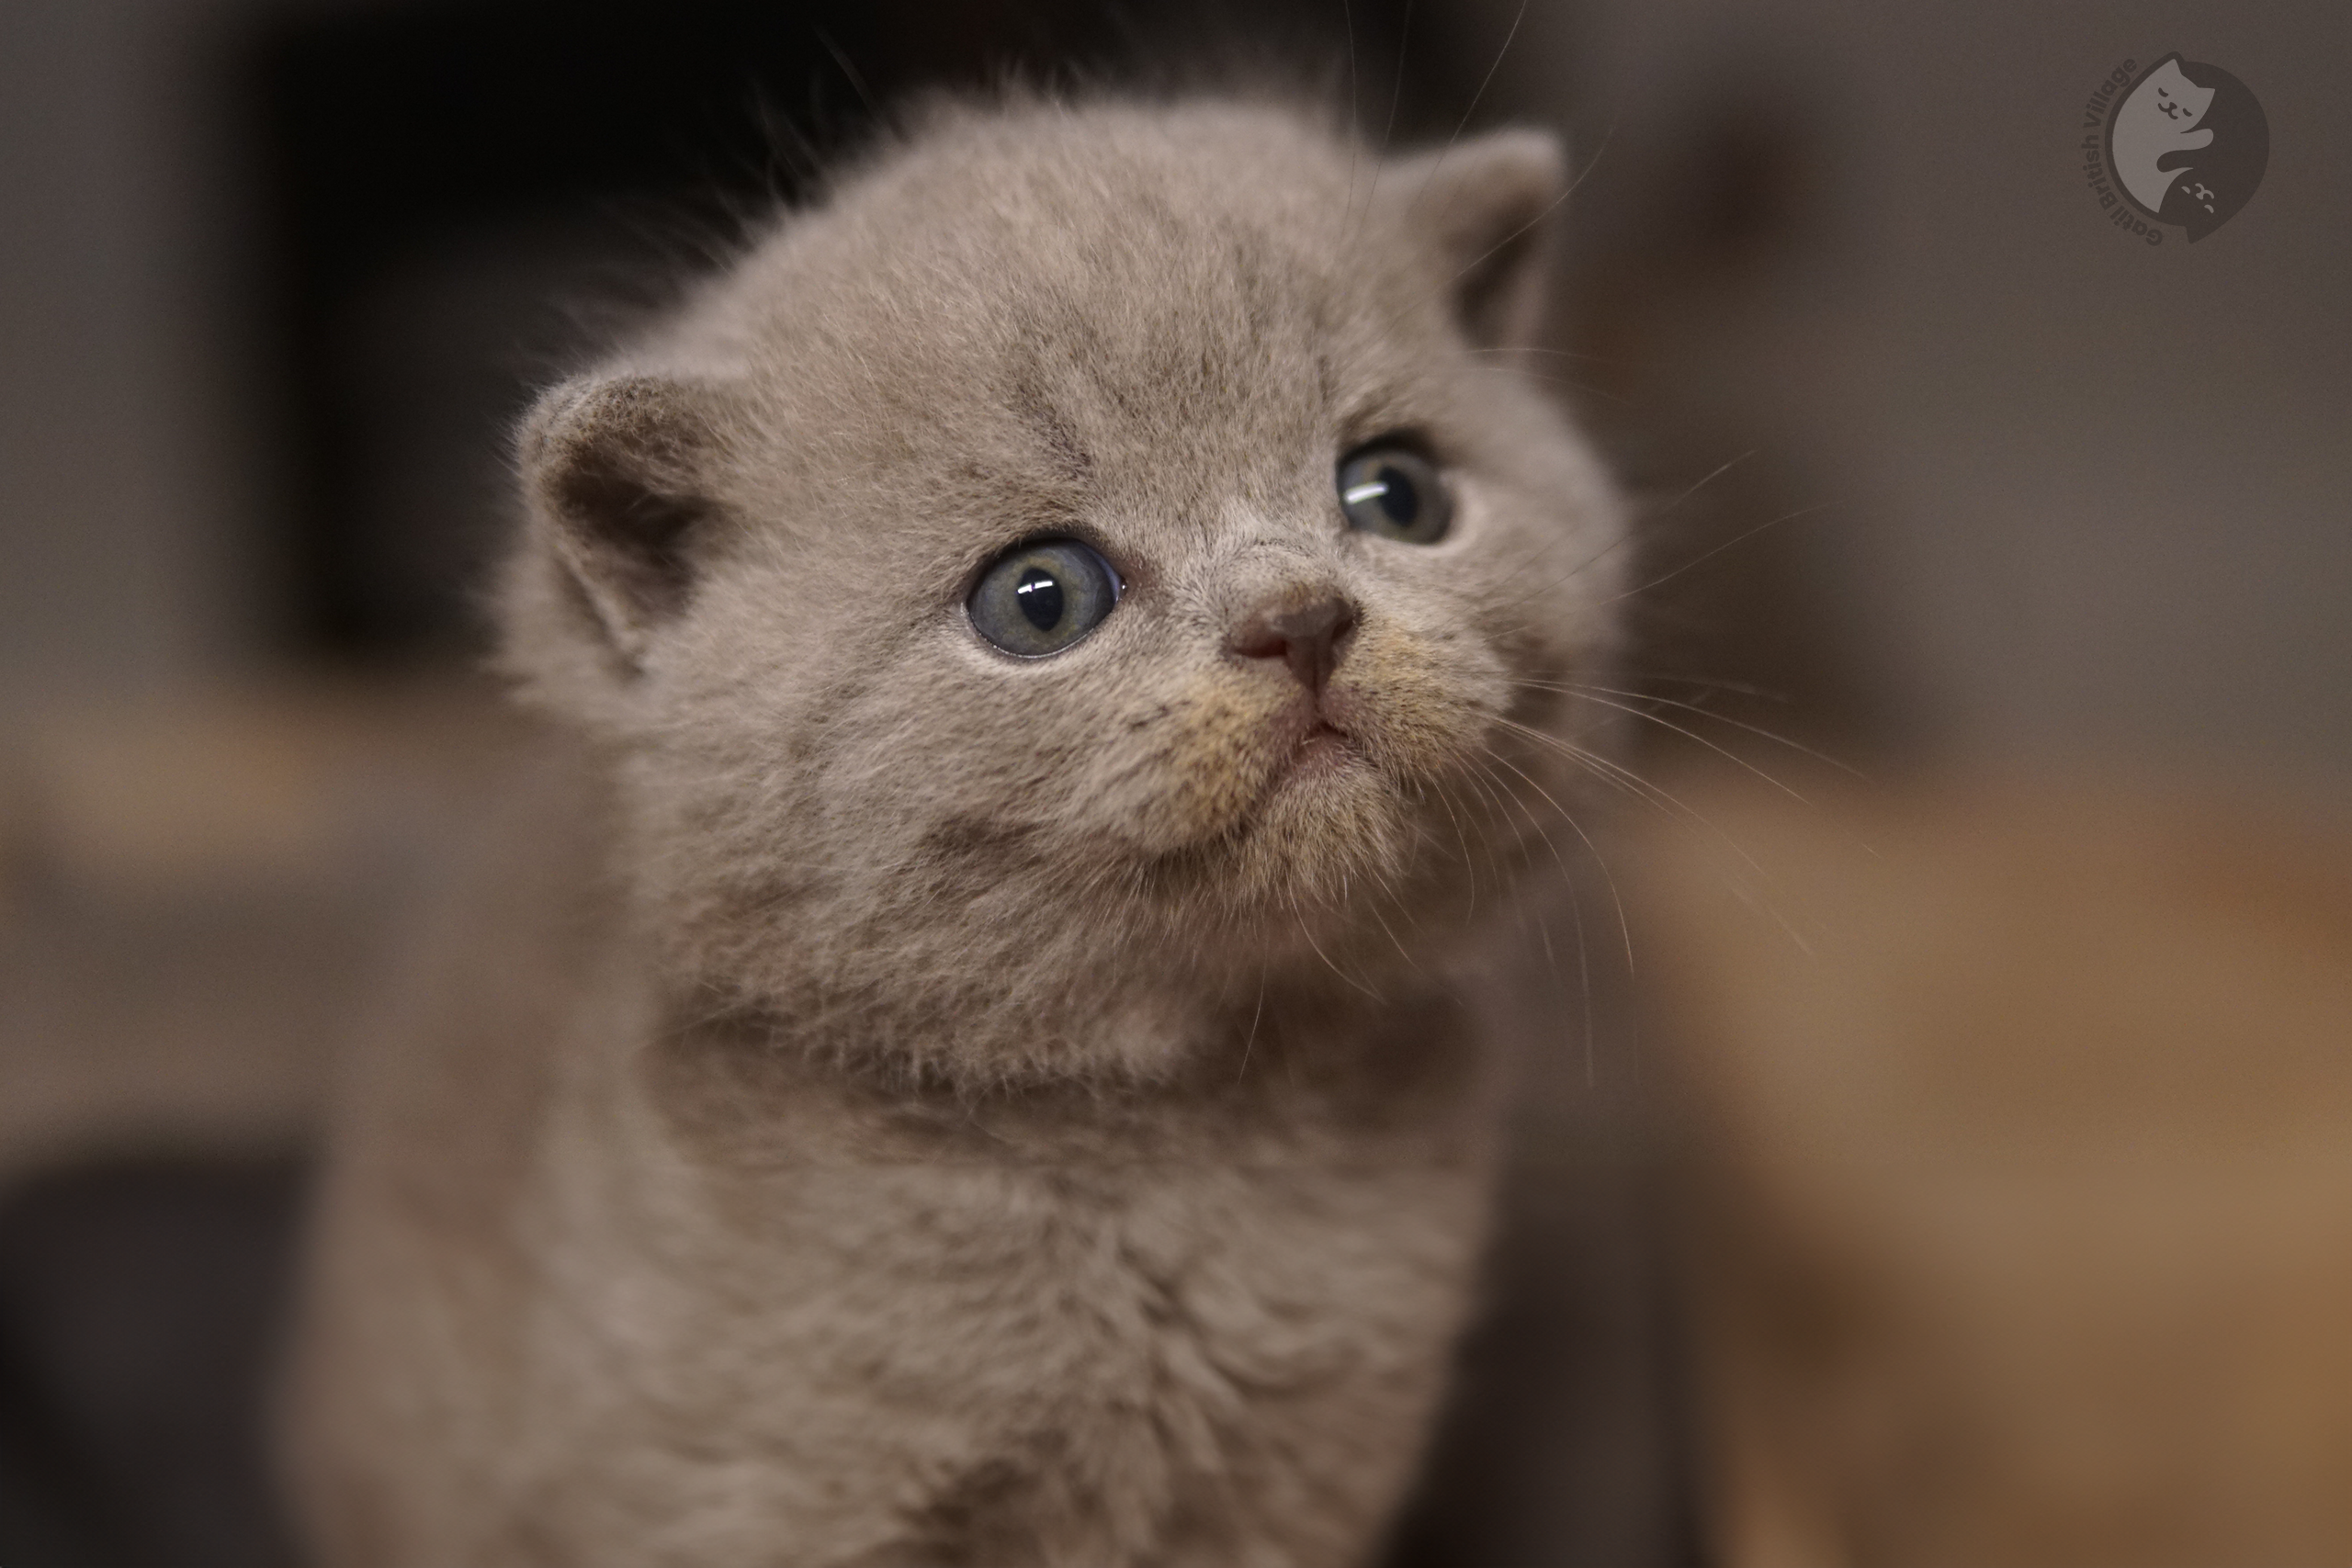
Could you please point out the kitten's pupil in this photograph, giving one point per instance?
(1039, 594)
(1396, 494)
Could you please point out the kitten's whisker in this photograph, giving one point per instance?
(1396, 96)
(1499, 830)
(1347, 215)
(1504, 794)
(1399, 946)
(1486, 801)
(1599, 762)
(1386, 883)
(1742, 687)
(1586, 759)
(1304, 930)
(855, 79)
(1718, 472)
(1575, 908)
(1689, 733)
(1470, 871)
(1608, 878)
(1533, 825)
(1630, 536)
(1549, 378)
(1464, 124)
(1498, 246)
(1550, 208)
(1572, 689)
(1739, 537)
(1516, 350)
(1251, 1041)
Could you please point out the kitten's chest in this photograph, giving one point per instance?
(1083, 1360)
(1034, 1283)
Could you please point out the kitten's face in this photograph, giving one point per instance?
(1097, 558)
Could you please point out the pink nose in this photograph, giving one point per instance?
(1310, 636)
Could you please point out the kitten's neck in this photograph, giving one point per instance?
(1296, 1067)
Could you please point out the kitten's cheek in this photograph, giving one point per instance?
(1408, 714)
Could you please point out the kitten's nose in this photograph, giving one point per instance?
(1309, 634)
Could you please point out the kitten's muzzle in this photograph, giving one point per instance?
(1311, 635)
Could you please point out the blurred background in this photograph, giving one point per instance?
(1943, 478)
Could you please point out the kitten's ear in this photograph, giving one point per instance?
(615, 471)
(1486, 204)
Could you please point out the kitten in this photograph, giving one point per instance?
(960, 1059)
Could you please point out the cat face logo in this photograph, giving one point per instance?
(2188, 144)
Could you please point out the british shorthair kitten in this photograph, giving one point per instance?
(958, 1057)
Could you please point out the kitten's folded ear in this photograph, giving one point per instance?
(616, 473)
(1488, 206)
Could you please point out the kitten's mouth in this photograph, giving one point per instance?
(1323, 745)
(1322, 749)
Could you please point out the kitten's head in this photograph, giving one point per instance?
(1095, 559)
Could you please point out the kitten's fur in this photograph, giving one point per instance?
(897, 1104)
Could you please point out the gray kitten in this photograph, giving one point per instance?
(959, 1059)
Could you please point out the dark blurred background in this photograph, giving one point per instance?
(1940, 474)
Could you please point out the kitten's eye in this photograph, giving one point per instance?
(1395, 492)
(1040, 598)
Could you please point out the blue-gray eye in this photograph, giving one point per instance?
(1040, 598)
(1395, 492)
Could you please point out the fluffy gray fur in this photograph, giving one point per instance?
(891, 1103)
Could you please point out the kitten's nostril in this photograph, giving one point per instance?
(1309, 635)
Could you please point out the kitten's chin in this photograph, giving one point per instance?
(1322, 752)
(1329, 824)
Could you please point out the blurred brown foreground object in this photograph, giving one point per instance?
(2014, 1135)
